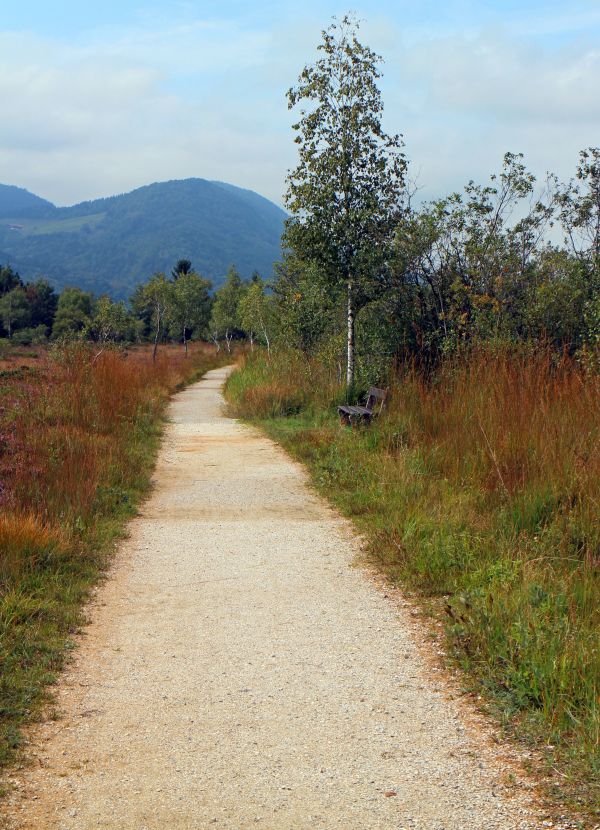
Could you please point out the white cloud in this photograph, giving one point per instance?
(84, 121)
(499, 76)
(124, 107)
(194, 46)
(463, 101)
(573, 21)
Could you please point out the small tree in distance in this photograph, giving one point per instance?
(155, 299)
(225, 318)
(256, 313)
(9, 279)
(111, 322)
(73, 314)
(181, 267)
(190, 308)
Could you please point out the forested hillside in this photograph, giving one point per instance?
(111, 245)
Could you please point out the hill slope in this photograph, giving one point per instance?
(110, 245)
(16, 201)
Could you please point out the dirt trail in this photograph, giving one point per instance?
(239, 673)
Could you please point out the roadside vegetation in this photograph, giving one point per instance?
(79, 431)
(478, 490)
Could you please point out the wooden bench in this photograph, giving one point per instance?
(351, 415)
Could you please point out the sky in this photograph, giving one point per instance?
(98, 98)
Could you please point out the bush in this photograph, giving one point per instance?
(33, 336)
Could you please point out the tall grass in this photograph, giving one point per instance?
(479, 490)
(78, 435)
(285, 384)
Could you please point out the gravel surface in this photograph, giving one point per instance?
(239, 673)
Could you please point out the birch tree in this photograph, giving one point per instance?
(155, 299)
(224, 319)
(255, 310)
(345, 196)
(14, 310)
(190, 309)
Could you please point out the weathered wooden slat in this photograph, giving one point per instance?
(375, 400)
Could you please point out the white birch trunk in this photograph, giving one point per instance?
(350, 365)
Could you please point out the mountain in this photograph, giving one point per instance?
(16, 201)
(110, 245)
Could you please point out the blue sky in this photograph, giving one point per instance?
(99, 98)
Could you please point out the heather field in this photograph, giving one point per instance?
(79, 429)
(478, 490)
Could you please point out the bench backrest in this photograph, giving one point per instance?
(376, 399)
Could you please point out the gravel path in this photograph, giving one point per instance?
(239, 673)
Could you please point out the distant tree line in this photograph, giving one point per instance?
(175, 308)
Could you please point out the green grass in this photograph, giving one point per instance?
(45, 227)
(478, 492)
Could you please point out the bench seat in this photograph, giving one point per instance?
(350, 415)
(355, 410)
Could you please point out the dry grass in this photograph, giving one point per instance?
(78, 435)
